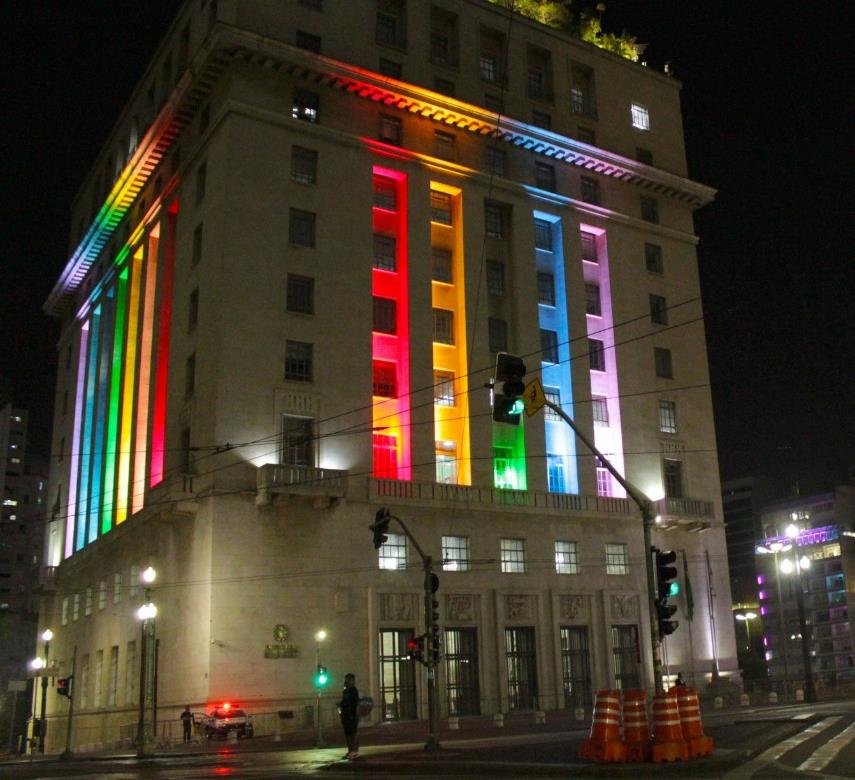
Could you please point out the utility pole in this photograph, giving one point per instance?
(643, 503)
(67, 753)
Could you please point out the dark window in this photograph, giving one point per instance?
(385, 315)
(589, 247)
(297, 440)
(443, 145)
(300, 294)
(494, 103)
(497, 161)
(390, 130)
(596, 355)
(304, 165)
(443, 37)
(298, 361)
(443, 388)
(190, 376)
(644, 155)
(576, 666)
(545, 288)
(600, 410)
(649, 209)
(304, 40)
(444, 86)
(497, 333)
(440, 207)
(586, 135)
(461, 671)
(544, 176)
(590, 190)
(653, 258)
(389, 27)
(543, 235)
(673, 471)
(542, 120)
(494, 220)
(487, 67)
(548, 346)
(196, 254)
(495, 277)
(626, 655)
(301, 228)
(385, 379)
(201, 182)
(593, 304)
(385, 252)
(658, 310)
(193, 310)
(662, 361)
(384, 193)
(521, 666)
(185, 453)
(582, 99)
(305, 105)
(441, 265)
(397, 676)
(315, 5)
(443, 326)
(390, 68)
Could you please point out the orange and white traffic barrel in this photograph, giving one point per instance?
(690, 719)
(636, 734)
(604, 743)
(668, 742)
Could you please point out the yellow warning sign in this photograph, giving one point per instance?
(533, 397)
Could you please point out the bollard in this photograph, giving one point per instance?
(604, 743)
(579, 713)
(540, 718)
(800, 695)
(690, 719)
(499, 719)
(232, 736)
(773, 697)
(718, 702)
(277, 734)
(636, 735)
(668, 742)
(454, 723)
(744, 701)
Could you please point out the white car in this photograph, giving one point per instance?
(225, 718)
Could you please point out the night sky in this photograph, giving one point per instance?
(768, 123)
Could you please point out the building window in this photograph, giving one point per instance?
(662, 361)
(134, 580)
(305, 105)
(443, 37)
(304, 165)
(444, 87)
(113, 682)
(385, 315)
(617, 558)
(590, 190)
(521, 666)
(668, 416)
(495, 277)
(542, 120)
(545, 288)
(84, 682)
(553, 395)
(384, 193)
(315, 5)
(390, 130)
(575, 666)
(446, 463)
(99, 680)
(582, 91)
(301, 228)
(441, 265)
(443, 388)
(190, 376)
(196, 253)
(440, 207)
(658, 310)
(307, 41)
(75, 607)
(385, 456)
(64, 618)
(487, 68)
(87, 605)
(494, 103)
(397, 676)
(548, 346)
(589, 247)
(555, 476)
(640, 116)
(385, 253)
(497, 334)
(193, 310)
(393, 552)
(653, 258)
(626, 652)
(130, 673)
(390, 69)
(201, 182)
(504, 473)
(102, 595)
(298, 361)
(443, 145)
(566, 558)
(455, 553)
(586, 135)
(300, 294)
(593, 304)
(390, 28)
(461, 671)
(600, 409)
(298, 435)
(385, 379)
(544, 176)
(513, 556)
(644, 155)
(497, 161)
(604, 481)
(649, 209)
(543, 235)
(443, 326)
(596, 355)
(494, 220)
(673, 472)
(117, 587)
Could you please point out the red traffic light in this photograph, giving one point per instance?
(63, 686)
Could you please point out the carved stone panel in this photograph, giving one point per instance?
(623, 606)
(519, 607)
(573, 606)
(461, 607)
(398, 606)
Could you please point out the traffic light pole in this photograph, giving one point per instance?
(67, 753)
(647, 521)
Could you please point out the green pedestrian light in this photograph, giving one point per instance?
(675, 589)
(322, 677)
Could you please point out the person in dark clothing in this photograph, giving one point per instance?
(348, 707)
(679, 682)
(187, 722)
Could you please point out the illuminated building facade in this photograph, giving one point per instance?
(293, 264)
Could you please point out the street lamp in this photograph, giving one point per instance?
(800, 565)
(774, 548)
(47, 635)
(146, 615)
(747, 617)
(320, 636)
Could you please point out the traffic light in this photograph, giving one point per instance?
(666, 574)
(380, 527)
(665, 612)
(63, 686)
(507, 405)
(321, 677)
(416, 649)
(433, 606)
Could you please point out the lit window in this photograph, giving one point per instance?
(455, 553)
(556, 482)
(617, 558)
(658, 310)
(596, 355)
(441, 265)
(487, 67)
(390, 130)
(495, 277)
(553, 395)
(446, 462)
(385, 379)
(566, 558)
(513, 555)
(298, 434)
(443, 145)
(393, 552)
(385, 315)
(589, 247)
(600, 408)
(593, 304)
(440, 207)
(640, 116)
(385, 456)
(300, 294)
(443, 388)
(653, 258)
(662, 362)
(668, 416)
(304, 165)
(543, 235)
(305, 105)
(504, 472)
(582, 91)
(544, 176)
(301, 228)
(590, 190)
(384, 193)
(604, 481)
(443, 326)
(545, 288)
(298, 361)
(497, 334)
(548, 346)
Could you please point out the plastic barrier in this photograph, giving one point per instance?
(636, 734)
(604, 743)
(690, 719)
(668, 742)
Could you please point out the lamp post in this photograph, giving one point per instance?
(320, 636)
(146, 615)
(799, 565)
(47, 635)
(747, 617)
(775, 548)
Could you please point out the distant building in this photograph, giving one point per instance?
(292, 266)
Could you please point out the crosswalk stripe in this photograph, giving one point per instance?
(776, 751)
(803, 716)
(825, 754)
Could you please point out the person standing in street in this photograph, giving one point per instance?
(348, 708)
(187, 722)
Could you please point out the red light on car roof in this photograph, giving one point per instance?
(227, 706)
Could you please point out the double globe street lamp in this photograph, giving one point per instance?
(146, 615)
(40, 666)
